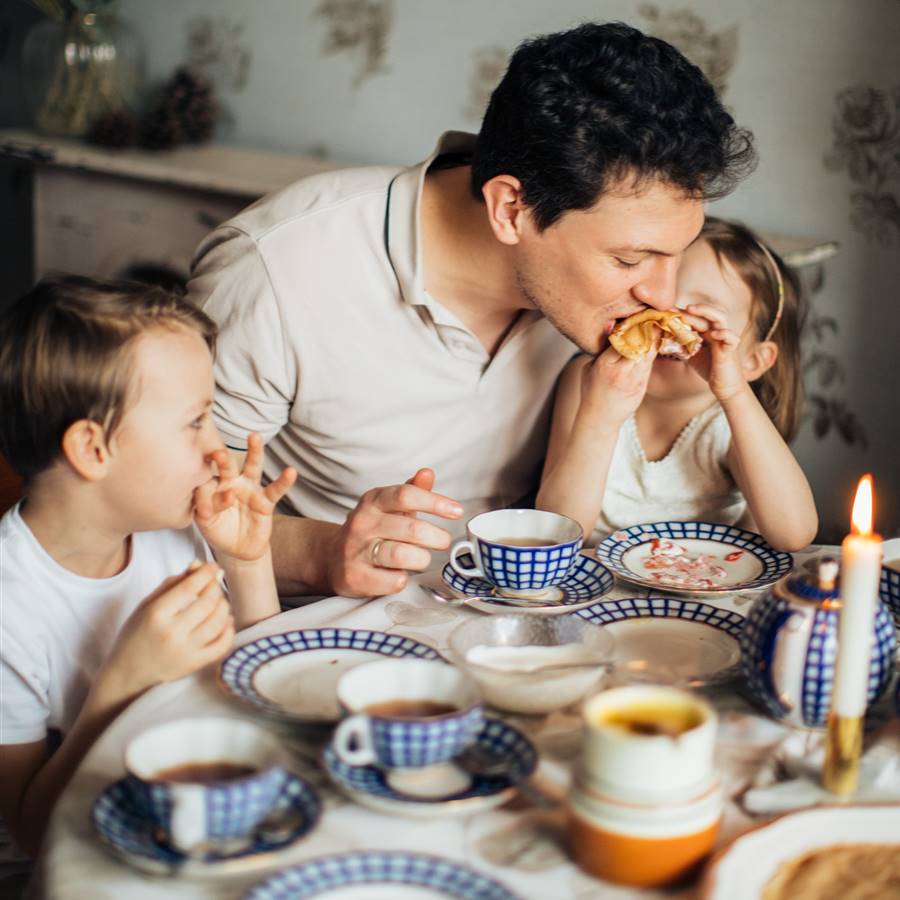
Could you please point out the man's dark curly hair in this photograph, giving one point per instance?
(578, 110)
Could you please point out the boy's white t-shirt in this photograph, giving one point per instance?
(57, 628)
(690, 483)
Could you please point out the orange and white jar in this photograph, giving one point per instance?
(645, 804)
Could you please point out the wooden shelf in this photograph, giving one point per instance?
(209, 167)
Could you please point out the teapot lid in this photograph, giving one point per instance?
(813, 587)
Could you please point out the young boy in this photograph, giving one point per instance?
(107, 582)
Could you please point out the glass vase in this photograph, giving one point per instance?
(80, 69)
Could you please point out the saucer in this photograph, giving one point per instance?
(685, 641)
(667, 556)
(442, 790)
(586, 582)
(124, 828)
(293, 676)
(379, 875)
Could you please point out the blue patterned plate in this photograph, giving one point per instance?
(293, 675)
(693, 558)
(586, 582)
(889, 586)
(378, 875)
(681, 641)
(123, 827)
(441, 790)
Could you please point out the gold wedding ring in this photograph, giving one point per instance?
(374, 552)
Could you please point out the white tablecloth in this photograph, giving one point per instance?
(519, 845)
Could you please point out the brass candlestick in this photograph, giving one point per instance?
(843, 749)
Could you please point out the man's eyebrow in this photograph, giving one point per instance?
(632, 249)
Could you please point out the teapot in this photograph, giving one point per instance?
(789, 646)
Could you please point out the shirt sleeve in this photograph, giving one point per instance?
(24, 701)
(255, 373)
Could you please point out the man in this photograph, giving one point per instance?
(377, 319)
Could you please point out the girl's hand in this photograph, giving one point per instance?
(234, 512)
(612, 387)
(178, 629)
(718, 362)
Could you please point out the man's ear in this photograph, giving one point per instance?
(505, 209)
(760, 359)
(84, 448)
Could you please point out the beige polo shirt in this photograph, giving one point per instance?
(332, 350)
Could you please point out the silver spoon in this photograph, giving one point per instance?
(452, 600)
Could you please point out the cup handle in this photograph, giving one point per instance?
(353, 741)
(188, 818)
(465, 547)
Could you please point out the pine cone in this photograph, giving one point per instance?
(114, 129)
(161, 130)
(193, 101)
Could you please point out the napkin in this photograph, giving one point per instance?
(792, 777)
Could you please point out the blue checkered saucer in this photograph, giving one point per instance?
(378, 871)
(370, 786)
(747, 561)
(122, 825)
(586, 582)
(671, 639)
(293, 676)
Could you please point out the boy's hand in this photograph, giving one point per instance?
(613, 387)
(180, 628)
(718, 362)
(233, 511)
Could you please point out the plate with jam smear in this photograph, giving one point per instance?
(693, 558)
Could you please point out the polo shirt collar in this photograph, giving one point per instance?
(402, 226)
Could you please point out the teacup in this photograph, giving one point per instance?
(519, 551)
(646, 742)
(406, 713)
(206, 780)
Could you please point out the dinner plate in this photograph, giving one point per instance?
(442, 790)
(294, 675)
(674, 639)
(124, 828)
(379, 875)
(586, 582)
(693, 557)
(742, 869)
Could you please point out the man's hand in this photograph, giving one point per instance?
(178, 629)
(382, 539)
(613, 387)
(233, 511)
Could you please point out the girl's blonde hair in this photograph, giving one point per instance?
(780, 389)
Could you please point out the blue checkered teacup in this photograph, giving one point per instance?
(406, 714)
(519, 551)
(205, 781)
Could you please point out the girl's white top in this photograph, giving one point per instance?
(690, 483)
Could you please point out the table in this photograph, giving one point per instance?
(517, 844)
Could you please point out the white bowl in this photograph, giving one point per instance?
(535, 682)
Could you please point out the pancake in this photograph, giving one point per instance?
(663, 330)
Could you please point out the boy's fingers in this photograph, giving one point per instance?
(253, 461)
(225, 463)
(276, 489)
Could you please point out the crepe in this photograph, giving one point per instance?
(661, 329)
(842, 872)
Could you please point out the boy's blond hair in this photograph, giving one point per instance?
(66, 355)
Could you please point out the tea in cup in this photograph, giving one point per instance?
(207, 780)
(645, 804)
(519, 551)
(406, 713)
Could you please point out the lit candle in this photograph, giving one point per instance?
(860, 571)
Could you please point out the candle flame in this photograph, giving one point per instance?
(862, 506)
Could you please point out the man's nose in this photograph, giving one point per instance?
(658, 288)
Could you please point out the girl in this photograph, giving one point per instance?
(656, 439)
